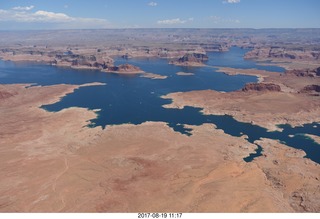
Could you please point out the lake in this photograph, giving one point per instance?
(134, 99)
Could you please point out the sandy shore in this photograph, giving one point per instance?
(153, 76)
(184, 73)
(190, 64)
(261, 74)
(314, 137)
(124, 72)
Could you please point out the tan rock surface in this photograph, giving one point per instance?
(285, 57)
(262, 74)
(184, 73)
(51, 162)
(314, 137)
(266, 109)
(297, 179)
(288, 82)
(153, 76)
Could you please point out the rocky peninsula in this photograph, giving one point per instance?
(281, 99)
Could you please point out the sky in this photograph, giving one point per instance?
(93, 14)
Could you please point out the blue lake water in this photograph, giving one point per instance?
(133, 99)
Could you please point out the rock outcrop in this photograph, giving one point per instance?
(125, 68)
(126, 56)
(91, 61)
(313, 88)
(261, 87)
(283, 54)
(216, 47)
(304, 72)
(191, 59)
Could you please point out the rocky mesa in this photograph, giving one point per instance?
(304, 72)
(124, 68)
(283, 53)
(90, 60)
(261, 87)
(191, 59)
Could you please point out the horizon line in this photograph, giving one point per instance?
(169, 28)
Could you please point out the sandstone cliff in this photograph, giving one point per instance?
(261, 87)
(313, 88)
(125, 68)
(304, 72)
(283, 54)
(191, 59)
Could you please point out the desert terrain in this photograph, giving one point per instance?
(54, 162)
(276, 99)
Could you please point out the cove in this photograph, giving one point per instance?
(133, 99)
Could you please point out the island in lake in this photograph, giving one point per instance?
(232, 126)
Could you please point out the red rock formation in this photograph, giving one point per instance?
(317, 70)
(282, 53)
(261, 87)
(124, 68)
(191, 59)
(304, 72)
(311, 88)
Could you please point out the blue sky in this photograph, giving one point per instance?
(63, 14)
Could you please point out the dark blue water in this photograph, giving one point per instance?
(234, 59)
(133, 99)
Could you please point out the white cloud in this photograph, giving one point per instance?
(219, 20)
(153, 4)
(48, 16)
(60, 19)
(26, 8)
(231, 1)
(172, 21)
(190, 19)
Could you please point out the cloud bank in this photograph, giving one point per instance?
(175, 21)
(172, 21)
(231, 1)
(60, 20)
(153, 4)
(26, 8)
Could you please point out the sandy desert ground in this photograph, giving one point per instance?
(52, 162)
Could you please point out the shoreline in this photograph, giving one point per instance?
(103, 162)
(63, 65)
(278, 107)
(260, 74)
(188, 64)
(134, 72)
